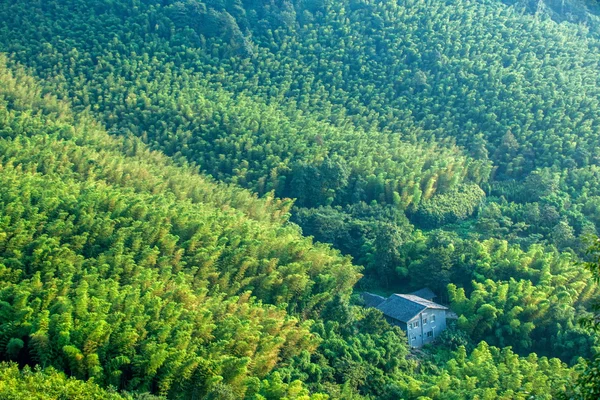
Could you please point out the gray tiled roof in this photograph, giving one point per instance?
(372, 300)
(404, 307)
(425, 293)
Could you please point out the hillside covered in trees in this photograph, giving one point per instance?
(161, 161)
(122, 269)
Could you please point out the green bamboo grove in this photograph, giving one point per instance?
(193, 194)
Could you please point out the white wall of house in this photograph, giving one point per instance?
(425, 327)
(414, 332)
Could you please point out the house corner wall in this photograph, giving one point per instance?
(428, 331)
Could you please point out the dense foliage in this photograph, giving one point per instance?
(587, 384)
(47, 385)
(340, 103)
(105, 278)
(146, 278)
(449, 144)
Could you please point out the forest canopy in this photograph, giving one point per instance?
(194, 193)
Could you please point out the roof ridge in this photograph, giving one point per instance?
(419, 300)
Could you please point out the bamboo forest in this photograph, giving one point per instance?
(299, 199)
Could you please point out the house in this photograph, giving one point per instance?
(421, 319)
(425, 293)
(372, 300)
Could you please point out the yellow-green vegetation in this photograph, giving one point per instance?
(120, 268)
(159, 171)
(49, 384)
(155, 287)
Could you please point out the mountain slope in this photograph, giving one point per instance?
(110, 276)
(164, 92)
(338, 103)
(118, 267)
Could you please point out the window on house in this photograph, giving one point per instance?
(425, 321)
(430, 334)
(433, 318)
(409, 326)
(416, 324)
